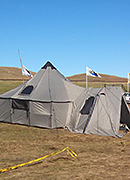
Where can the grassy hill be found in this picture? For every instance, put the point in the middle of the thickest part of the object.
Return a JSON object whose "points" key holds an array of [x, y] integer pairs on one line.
{"points": [[104, 78], [11, 77], [12, 73], [96, 82]]}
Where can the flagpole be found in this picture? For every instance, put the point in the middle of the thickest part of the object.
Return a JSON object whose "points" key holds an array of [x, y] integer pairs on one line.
{"points": [[86, 79], [21, 65], [128, 83]]}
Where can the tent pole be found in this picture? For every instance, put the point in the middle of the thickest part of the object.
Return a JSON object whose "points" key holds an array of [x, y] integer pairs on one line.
{"points": [[29, 113], [10, 110], [51, 125]]}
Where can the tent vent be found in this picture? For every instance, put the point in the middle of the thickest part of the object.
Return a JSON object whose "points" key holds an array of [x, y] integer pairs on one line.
{"points": [[27, 90], [48, 64], [87, 106]]}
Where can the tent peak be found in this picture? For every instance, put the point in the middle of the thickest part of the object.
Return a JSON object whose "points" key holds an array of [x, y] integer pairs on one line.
{"points": [[48, 64]]}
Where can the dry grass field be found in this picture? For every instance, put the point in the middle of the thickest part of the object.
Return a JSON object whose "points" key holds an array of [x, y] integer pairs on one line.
{"points": [[99, 157], [104, 78]]}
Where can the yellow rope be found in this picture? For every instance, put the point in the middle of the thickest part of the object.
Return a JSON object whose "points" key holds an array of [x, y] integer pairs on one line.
{"points": [[70, 151]]}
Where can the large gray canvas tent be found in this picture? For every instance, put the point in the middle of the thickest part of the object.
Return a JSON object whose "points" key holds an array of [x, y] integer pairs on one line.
{"points": [[44, 101], [50, 100]]}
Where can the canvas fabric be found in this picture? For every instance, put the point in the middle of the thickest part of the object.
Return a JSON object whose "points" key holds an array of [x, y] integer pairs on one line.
{"points": [[49, 104], [104, 117]]}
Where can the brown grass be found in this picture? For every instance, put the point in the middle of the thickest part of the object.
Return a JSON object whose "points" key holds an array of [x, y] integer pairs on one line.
{"points": [[12, 73], [15, 73], [98, 157], [104, 78]]}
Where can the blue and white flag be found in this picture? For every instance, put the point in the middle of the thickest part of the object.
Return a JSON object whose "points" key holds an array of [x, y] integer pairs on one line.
{"points": [[90, 72], [26, 72]]}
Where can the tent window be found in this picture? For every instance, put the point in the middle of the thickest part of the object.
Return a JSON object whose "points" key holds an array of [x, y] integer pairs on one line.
{"points": [[20, 104], [87, 106], [103, 94], [27, 90]]}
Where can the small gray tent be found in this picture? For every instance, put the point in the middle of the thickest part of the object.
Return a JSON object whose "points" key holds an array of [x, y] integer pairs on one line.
{"points": [[50, 100], [101, 113]]}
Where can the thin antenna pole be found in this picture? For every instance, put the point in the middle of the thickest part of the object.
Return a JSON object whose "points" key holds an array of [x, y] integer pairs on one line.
{"points": [[21, 64]]}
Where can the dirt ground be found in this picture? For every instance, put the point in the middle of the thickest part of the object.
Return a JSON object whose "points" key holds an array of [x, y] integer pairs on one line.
{"points": [[99, 157]]}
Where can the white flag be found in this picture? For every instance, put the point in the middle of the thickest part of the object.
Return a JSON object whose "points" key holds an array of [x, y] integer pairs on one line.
{"points": [[26, 72], [90, 72]]}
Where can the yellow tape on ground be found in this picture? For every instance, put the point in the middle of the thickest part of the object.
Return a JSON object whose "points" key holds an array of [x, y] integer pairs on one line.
{"points": [[70, 151]]}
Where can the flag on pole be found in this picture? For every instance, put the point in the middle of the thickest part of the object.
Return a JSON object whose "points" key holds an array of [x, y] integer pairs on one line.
{"points": [[129, 78], [90, 72], [128, 82], [26, 72]]}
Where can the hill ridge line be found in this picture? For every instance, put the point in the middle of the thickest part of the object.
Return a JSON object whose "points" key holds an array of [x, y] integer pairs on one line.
{"points": [[15, 74]]}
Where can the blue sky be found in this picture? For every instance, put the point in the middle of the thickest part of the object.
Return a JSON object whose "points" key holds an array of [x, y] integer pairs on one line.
{"points": [[72, 34]]}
